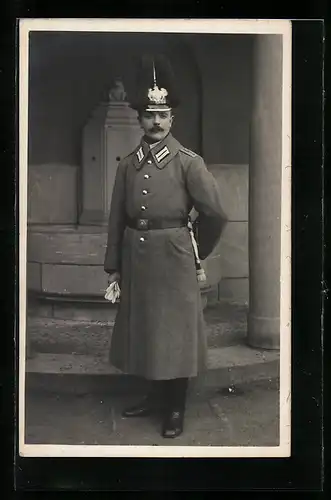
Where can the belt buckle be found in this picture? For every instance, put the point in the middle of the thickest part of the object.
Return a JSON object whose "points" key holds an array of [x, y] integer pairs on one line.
{"points": [[142, 224]]}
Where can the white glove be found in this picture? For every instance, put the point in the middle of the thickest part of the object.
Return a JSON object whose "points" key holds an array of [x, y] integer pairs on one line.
{"points": [[113, 292]]}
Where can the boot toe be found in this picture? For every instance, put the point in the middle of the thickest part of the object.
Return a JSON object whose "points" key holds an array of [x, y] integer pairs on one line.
{"points": [[173, 425], [172, 433]]}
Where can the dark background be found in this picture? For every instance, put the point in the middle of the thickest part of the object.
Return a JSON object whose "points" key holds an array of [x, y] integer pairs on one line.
{"points": [[303, 470], [70, 73]]}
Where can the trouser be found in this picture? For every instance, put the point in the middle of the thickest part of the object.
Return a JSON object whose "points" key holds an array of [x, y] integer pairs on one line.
{"points": [[171, 393]]}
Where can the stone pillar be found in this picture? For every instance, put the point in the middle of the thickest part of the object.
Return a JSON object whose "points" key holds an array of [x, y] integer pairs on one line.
{"points": [[265, 193]]}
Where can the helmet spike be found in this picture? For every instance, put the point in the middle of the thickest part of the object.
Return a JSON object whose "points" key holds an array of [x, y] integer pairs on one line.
{"points": [[154, 73]]}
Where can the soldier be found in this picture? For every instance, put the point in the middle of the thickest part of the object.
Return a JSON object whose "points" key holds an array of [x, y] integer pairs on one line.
{"points": [[159, 328]]}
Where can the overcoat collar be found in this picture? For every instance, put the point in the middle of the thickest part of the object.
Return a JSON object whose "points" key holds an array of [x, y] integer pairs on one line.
{"points": [[161, 154]]}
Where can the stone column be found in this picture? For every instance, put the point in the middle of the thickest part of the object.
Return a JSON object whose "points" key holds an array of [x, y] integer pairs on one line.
{"points": [[265, 193]]}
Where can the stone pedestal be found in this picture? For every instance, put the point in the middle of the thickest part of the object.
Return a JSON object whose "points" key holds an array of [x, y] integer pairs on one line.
{"points": [[111, 133], [265, 193]]}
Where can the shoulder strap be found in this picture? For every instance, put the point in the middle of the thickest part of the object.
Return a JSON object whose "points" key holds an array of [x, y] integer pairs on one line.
{"points": [[188, 152]]}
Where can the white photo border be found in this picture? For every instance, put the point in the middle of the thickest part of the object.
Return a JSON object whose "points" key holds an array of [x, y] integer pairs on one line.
{"points": [[221, 26]]}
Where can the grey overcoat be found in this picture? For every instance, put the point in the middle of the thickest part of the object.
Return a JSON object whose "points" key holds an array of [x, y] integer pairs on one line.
{"points": [[159, 328]]}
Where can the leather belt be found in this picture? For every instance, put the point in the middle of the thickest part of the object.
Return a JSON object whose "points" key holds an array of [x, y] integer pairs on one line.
{"points": [[147, 224]]}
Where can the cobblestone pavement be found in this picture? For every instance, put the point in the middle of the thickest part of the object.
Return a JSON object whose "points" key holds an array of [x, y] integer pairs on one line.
{"points": [[246, 416]]}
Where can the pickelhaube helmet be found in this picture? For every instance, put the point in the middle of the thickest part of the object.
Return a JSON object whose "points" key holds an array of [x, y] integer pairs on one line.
{"points": [[155, 88]]}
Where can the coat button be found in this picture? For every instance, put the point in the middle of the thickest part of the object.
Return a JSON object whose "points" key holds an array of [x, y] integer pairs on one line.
{"points": [[145, 191], [143, 207], [149, 162], [142, 239], [146, 176]]}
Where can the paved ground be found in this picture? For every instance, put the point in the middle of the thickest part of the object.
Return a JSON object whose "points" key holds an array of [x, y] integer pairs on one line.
{"points": [[242, 416]]}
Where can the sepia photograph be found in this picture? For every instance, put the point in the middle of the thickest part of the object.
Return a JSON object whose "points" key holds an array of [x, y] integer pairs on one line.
{"points": [[154, 238]]}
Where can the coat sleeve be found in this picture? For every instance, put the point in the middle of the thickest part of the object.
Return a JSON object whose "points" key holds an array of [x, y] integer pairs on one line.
{"points": [[116, 223], [205, 195]]}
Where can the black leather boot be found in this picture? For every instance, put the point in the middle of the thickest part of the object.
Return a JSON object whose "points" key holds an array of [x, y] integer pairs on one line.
{"points": [[151, 404], [173, 423]]}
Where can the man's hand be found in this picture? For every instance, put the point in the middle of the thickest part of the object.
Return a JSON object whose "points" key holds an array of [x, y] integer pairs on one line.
{"points": [[113, 277]]}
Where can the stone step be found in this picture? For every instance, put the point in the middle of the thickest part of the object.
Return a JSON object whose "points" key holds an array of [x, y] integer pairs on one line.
{"points": [[226, 325], [71, 347], [227, 366]]}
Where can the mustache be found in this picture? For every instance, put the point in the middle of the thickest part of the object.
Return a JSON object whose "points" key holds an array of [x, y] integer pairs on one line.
{"points": [[156, 129]]}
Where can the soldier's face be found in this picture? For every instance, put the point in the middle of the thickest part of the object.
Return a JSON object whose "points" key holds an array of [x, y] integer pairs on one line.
{"points": [[156, 124]]}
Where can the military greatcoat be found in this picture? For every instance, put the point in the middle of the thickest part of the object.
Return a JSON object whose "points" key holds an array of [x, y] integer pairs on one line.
{"points": [[159, 328]]}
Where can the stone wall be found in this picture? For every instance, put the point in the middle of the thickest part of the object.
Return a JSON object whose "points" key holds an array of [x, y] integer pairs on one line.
{"points": [[52, 193], [68, 259], [233, 247]]}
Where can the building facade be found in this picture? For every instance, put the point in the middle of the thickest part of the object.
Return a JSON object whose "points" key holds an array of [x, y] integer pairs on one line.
{"points": [[224, 114]]}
